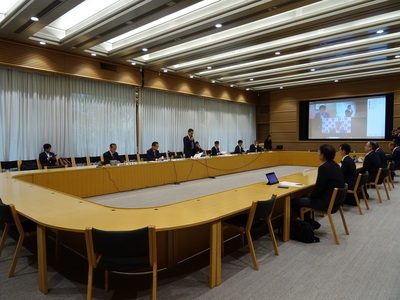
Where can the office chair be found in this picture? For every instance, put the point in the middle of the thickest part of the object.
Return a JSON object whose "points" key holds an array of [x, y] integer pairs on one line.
{"points": [[121, 251], [337, 199], [9, 215], [8, 165], [362, 180], [31, 164], [259, 213]]}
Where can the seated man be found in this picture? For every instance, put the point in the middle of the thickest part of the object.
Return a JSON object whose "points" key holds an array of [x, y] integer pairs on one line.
{"points": [[329, 177], [239, 149], [215, 149], [348, 168], [153, 154], [254, 147], [371, 161], [394, 157], [47, 158], [112, 154], [381, 154], [197, 148]]}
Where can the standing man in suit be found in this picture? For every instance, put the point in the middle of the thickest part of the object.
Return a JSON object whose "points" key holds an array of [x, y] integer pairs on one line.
{"points": [[381, 154], [371, 162], [215, 149], [111, 154], [394, 157], [268, 143], [153, 154], [188, 144], [239, 149], [254, 147], [47, 158], [329, 177], [348, 168]]}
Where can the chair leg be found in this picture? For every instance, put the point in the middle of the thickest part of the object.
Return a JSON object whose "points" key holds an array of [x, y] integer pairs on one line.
{"points": [[365, 197], [252, 251], [386, 189], [388, 182], [333, 229], [16, 255], [346, 229], [154, 291], [358, 202], [106, 277], [4, 237], [379, 194], [272, 234], [90, 283]]}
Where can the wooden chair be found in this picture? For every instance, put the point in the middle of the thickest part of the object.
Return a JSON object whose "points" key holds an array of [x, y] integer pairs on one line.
{"points": [[337, 199], [94, 160], [179, 154], [260, 212], [381, 178], [121, 251], [9, 215], [80, 161], [131, 157], [390, 165], [8, 165], [29, 164], [362, 180], [142, 157]]}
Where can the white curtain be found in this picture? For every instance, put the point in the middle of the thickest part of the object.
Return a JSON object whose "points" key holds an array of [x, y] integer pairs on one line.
{"points": [[166, 117], [78, 117]]}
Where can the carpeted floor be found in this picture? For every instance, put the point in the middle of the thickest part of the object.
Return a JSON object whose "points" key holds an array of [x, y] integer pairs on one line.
{"points": [[366, 265]]}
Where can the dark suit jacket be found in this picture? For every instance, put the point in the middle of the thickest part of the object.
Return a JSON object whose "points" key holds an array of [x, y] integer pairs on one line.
{"points": [[330, 176], [382, 157], [238, 150], [46, 162], [268, 144], [253, 148], [214, 150], [188, 147], [395, 157], [349, 171], [107, 156], [371, 164], [153, 155]]}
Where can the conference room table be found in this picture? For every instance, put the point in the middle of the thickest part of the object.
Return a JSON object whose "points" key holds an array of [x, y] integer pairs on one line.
{"points": [[52, 198]]}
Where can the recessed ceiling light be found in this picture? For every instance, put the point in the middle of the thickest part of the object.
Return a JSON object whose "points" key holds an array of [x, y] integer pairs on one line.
{"points": [[336, 80], [165, 70], [213, 81], [251, 79], [42, 43], [277, 53], [380, 31], [247, 89], [218, 25], [209, 67], [232, 85], [93, 54], [312, 70], [133, 63], [145, 49], [191, 76], [281, 87], [34, 19], [397, 56]]}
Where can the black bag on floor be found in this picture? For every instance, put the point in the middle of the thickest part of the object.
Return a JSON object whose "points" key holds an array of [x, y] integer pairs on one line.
{"points": [[302, 231]]}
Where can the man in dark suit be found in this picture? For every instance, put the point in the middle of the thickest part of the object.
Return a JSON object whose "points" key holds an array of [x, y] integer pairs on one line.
{"points": [[394, 157], [153, 153], [239, 149], [348, 168], [215, 149], [329, 177], [254, 147], [396, 136], [111, 154], [381, 154], [47, 158], [188, 144], [268, 143], [371, 162]]}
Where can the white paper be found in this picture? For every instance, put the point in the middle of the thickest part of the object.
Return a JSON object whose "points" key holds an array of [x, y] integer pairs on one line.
{"points": [[288, 183]]}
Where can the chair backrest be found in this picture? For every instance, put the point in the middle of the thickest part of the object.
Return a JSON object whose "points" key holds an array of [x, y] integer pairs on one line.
{"points": [[337, 199], [8, 214], [94, 159], [121, 250], [9, 165], [131, 157], [143, 157], [79, 161], [362, 179], [261, 210], [179, 154], [382, 174], [390, 164], [31, 164]]}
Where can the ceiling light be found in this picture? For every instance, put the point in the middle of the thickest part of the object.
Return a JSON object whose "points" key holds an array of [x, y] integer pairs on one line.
{"points": [[191, 76], [218, 25], [380, 31], [145, 49], [165, 70], [42, 43], [277, 53], [247, 89], [232, 85], [213, 81], [34, 19], [312, 70], [133, 63], [281, 87], [397, 56], [251, 79], [336, 80], [209, 67], [93, 54]]}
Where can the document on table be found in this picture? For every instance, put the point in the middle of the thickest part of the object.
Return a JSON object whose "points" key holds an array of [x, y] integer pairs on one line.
{"points": [[288, 183]]}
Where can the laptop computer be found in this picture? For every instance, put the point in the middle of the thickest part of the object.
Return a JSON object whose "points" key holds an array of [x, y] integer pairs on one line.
{"points": [[272, 179]]}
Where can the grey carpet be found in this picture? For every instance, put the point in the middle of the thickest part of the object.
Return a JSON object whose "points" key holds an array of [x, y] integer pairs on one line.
{"points": [[366, 265]]}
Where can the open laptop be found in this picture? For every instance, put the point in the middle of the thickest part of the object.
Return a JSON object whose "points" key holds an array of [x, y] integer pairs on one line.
{"points": [[272, 179]]}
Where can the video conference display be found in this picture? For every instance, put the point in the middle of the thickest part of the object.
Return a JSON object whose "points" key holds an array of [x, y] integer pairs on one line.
{"points": [[351, 118]]}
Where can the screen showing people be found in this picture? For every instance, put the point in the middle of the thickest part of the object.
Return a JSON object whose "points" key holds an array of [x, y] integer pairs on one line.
{"points": [[353, 118]]}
